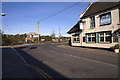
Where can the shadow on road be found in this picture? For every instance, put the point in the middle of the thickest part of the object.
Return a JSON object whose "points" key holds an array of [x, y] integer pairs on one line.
{"points": [[36, 63], [33, 47]]}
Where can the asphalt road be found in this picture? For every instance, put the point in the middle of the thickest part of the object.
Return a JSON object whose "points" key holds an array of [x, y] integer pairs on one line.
{"points": [[50, 61]]}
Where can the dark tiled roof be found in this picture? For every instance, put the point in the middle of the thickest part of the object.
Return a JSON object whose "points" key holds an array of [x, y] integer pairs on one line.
{"points": [[98, 7], [75, 28]]}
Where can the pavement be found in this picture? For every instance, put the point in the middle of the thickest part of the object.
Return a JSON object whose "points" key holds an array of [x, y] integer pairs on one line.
{"points": [[58, 61]]}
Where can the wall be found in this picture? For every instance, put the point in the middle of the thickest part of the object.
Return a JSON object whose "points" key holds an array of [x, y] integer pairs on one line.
{"points": [[112, 27]]}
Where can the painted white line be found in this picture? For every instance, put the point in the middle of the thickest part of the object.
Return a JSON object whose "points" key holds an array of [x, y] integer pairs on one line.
{"points": [[19, 55], [87, 59], [52, 51], [91, 60]]}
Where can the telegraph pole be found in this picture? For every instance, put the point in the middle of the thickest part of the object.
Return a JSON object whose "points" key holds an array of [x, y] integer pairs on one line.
{"points": [[59, 33], [2, 14], [38, 31]]}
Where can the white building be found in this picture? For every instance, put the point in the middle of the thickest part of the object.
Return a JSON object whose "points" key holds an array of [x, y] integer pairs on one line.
{"points": [[32, 35], [97, 26]]}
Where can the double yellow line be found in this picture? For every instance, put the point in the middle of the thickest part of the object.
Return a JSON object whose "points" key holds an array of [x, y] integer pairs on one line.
{"points": [[45, 75]]}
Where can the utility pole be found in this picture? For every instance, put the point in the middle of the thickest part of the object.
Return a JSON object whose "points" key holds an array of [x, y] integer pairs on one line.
{"points": [[38, 31], [2, 14], [59, 34]]}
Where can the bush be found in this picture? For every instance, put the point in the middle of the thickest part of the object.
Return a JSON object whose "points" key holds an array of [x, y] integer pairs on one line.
{"points": [[117, 46]]}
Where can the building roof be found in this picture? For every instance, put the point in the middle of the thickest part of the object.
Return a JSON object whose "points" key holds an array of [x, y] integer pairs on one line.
{"points": [[98, 7], [93, 9], [75, 28], [32, 33], [30, 38]]}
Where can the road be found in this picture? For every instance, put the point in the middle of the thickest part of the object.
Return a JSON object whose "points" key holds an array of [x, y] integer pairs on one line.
{"points": [[51, 61]]}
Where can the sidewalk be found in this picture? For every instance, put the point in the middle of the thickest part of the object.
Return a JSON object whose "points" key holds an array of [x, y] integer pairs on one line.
{"points": [[19, 45]]}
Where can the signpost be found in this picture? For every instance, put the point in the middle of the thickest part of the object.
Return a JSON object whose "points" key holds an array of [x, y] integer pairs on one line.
{"points": [[2, 14], [38, 31]]}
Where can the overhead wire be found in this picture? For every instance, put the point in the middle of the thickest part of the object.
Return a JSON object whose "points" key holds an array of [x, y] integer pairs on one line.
{"points": [[59, 12]]}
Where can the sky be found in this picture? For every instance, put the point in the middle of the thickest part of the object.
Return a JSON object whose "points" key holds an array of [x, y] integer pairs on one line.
{"points": [[23, 17]]}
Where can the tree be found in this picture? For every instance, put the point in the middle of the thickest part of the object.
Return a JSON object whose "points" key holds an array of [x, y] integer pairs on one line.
{"points": [[53, 34], [5, 40], [0, 31], [47, 38]]}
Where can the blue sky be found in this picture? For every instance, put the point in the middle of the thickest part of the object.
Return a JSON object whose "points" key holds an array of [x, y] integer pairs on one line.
{"points": [[22, 17]]}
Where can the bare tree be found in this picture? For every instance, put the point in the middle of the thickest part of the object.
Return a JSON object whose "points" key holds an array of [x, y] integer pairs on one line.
{"points": [[53, 34]]}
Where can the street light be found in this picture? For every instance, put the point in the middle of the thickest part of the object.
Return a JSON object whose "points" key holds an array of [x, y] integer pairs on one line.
{"points": [[3, 14]]}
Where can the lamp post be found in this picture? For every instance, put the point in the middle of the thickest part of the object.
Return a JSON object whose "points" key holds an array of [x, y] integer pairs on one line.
{"points": [[38, 31], [3, 14]]}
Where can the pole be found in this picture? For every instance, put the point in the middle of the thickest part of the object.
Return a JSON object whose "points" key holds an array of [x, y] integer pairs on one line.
{"points": [[38, 31], [3, 14], [2, 24], [59, 34]]}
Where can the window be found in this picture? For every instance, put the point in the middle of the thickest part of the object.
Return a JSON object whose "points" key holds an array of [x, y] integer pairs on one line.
{"points": [[108, 36], [101, 37], [105, 19], [91, 37], [105, 37], [76, 39], [92, 22]]}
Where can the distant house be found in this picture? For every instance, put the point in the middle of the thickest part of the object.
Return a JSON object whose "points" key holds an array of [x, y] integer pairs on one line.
{"points": [[98, 26], [31, 36]]}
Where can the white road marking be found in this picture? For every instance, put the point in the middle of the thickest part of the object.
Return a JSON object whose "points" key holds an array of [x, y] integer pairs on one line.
{"points": [[52, 51], [19, 55], [91, 60], [86, 59]]}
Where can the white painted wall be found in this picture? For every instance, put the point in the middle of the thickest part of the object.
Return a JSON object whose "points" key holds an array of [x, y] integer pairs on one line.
{"points": [[112, 27]]}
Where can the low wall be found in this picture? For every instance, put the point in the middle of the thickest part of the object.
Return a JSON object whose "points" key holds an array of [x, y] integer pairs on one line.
{"points": [[99, 45], [76, 44]]}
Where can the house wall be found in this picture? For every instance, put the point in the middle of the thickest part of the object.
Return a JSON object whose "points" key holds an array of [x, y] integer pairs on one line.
{"points": [[35, 36], [111, 27]]}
